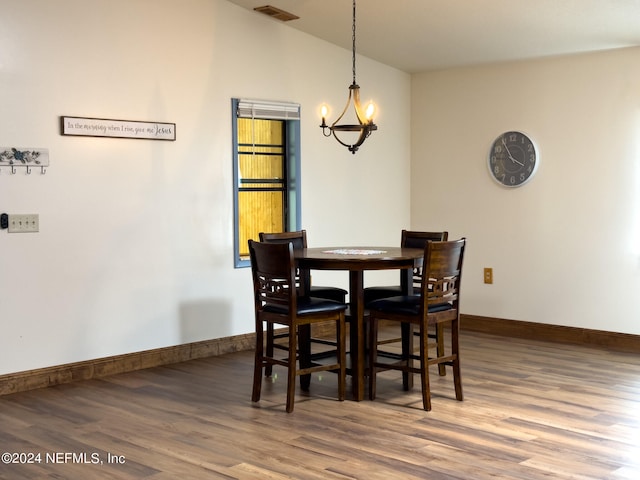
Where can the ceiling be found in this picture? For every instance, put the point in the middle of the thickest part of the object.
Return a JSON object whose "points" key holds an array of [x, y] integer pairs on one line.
{"points": [[423, 35]]}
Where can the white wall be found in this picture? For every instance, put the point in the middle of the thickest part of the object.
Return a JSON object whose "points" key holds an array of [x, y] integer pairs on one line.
{"points": [[135, 244], [565, 248]]}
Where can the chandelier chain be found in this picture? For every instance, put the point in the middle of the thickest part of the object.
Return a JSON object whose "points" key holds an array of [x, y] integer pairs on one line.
{"points": [[353, 40]]}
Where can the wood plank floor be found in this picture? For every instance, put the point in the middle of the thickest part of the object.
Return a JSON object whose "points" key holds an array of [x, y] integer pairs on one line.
{"points": [[532, 410]]}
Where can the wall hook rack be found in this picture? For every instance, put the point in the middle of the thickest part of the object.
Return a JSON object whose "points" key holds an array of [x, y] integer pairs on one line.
{"points": [[24, 157]]}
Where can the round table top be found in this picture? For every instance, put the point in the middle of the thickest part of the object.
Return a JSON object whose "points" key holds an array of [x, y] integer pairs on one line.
{"points": [[358, 258]]}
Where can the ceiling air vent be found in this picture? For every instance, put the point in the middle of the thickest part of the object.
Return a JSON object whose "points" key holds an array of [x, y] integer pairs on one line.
{"points": [[276, 13]]}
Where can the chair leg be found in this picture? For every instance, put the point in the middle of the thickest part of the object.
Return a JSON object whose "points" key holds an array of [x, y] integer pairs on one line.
{"points": [[407, 350], [342, 357], [440, 348], [304, 354], [455, 349], [373, 355], [291, 369], [268, 370], [424, 368], [258, 363]]}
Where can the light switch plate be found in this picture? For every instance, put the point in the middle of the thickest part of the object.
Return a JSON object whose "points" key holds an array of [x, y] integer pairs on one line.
{"points": [[24, 223]]}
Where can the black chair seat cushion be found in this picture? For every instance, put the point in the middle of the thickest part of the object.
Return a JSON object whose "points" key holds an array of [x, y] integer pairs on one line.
{"points": [[372, 294], [332, 293], [309, 305], [405, 305]]}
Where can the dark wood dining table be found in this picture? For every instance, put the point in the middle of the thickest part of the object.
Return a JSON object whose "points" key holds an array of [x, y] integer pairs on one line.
{"points": [[357, 260]]}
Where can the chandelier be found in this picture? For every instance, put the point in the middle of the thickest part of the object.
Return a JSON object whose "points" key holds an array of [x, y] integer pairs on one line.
{"points": [[364, 126]]}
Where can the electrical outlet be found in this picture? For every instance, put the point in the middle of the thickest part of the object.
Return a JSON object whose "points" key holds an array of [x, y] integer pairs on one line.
{"points": [[24, 223], [488, 275]]}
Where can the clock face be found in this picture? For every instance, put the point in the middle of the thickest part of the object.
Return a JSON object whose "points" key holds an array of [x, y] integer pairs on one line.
{"points": [[513, 159]]}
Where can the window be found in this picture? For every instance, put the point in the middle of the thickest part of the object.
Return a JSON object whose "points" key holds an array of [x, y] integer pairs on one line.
{"points": [[266, 171]]}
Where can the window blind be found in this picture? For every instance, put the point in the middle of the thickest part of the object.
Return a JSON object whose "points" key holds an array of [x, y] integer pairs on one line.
{"points": [[268, 110]]}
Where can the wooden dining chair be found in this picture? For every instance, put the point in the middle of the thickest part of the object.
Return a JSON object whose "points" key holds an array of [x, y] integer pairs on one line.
{"points": [[276, 340], [276, 302], [437, 304], [411, 239]]}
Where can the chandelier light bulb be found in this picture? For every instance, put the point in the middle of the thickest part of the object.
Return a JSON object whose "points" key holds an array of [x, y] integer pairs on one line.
{"points": [[371, 109]]}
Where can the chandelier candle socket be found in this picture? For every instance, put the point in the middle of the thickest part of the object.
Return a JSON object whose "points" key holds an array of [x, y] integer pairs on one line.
{"points": [[364, 118]]}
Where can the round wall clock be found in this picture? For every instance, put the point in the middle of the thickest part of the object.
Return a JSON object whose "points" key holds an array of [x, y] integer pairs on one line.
{"points": [[513, 159]]}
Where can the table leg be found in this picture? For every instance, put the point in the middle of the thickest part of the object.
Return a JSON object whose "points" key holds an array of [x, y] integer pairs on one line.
{"points": [[356, 338]]}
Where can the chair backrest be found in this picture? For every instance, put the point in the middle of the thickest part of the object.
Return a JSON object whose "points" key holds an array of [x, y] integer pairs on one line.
{"points": [[442, 273], [416, 239], [274, 277], [299, 238], [299, 241]]}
